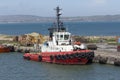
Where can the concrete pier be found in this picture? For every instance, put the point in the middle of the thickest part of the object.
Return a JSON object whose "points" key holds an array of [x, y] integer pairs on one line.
{"points": [[107, 54], [24, 49]]}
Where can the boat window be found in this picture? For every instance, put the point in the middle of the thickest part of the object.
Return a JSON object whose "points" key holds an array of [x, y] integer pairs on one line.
{"points": [[46, 44], [61, 37], [66, 37]]}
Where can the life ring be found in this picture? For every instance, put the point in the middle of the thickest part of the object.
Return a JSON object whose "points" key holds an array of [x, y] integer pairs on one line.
{"points": [[39, 58]]}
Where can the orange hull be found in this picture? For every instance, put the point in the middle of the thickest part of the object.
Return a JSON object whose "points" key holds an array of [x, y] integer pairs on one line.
{"points": [[73, 57]]}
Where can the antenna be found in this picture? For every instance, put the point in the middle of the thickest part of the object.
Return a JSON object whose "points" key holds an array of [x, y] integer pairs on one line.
{"points": [[58, 18]]}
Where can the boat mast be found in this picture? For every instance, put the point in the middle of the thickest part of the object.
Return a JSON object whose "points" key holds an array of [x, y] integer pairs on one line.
{"points": [[58, 25], [58, 18]]}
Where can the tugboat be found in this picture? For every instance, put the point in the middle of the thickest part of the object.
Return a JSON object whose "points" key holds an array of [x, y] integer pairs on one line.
{"points": [[60, 48]]}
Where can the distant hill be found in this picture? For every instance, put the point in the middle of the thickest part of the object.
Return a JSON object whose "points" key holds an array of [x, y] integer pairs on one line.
{"points": [[31, 18], [23, 19]]}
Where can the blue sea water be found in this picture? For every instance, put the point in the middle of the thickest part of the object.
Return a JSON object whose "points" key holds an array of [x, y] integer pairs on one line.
{"points": [[14, 67], [76, 28]]}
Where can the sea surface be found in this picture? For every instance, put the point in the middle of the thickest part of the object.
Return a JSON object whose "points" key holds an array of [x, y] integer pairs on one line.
{"points": [[14, 67], [76, 28]]}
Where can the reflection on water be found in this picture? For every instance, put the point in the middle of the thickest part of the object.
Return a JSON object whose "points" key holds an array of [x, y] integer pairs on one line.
{"points": [[14, 67]]}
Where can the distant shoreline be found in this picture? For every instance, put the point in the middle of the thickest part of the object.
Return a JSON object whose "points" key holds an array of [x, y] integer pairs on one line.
{"points": [[64, 22], [38, 19]]}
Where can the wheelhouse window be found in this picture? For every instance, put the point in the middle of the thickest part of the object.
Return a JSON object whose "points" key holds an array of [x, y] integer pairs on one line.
{"points": [[66, 37], [61, 37]]}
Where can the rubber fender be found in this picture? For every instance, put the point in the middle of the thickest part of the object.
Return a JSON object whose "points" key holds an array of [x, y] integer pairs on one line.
{"points": [[51, 57], [79, 55], [71, 56], [57, 57], [67, 56], [92, 53], [76, 55], [28, 58], [63, 57], [83, 55], [117, 62], [39, 58], [89, 55], [24, 57]]}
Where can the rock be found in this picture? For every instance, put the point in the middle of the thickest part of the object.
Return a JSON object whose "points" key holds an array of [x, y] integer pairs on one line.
{"points": [[92, 47], [117, 62], [103, 60]]}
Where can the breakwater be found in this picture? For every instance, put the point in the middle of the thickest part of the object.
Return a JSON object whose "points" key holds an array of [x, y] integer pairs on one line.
{"points": [[107, 54]]}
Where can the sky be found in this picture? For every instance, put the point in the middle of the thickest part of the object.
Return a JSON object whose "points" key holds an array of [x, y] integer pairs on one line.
{"points": [[70, 8]]}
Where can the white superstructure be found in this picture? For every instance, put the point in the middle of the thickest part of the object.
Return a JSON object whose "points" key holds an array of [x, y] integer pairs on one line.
{"points": [[60, 39]]}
